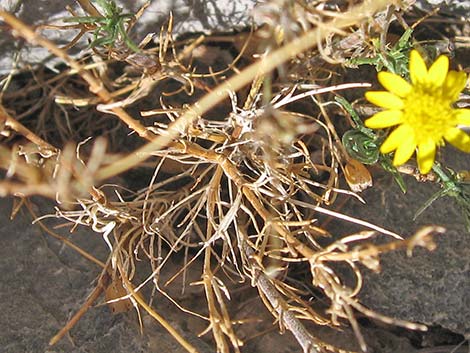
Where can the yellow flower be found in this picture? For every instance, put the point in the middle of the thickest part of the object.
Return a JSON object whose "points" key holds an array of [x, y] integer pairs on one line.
{"points": [[423, 111]]}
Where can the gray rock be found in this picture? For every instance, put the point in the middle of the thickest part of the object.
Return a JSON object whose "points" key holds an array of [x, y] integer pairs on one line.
{"points": [[429, 287], [43, 283], [455, 7], [189, 17]]}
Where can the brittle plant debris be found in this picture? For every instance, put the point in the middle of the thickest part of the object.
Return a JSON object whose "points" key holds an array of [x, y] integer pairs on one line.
{"points": [[242, 161]]}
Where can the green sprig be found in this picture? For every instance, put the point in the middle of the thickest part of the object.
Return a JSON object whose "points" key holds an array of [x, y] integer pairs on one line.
{"points": [[452, 186], [111, 26], [363, 144]]}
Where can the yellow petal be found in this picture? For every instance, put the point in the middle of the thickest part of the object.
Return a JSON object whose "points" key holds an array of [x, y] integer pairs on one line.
{"points": [[463, 116], [426, 155], [385, 100], [405, 150], [395, 138], [394, 83], [438, 71], [458, 138], [384, 119], [454, 84], [418, 70]]}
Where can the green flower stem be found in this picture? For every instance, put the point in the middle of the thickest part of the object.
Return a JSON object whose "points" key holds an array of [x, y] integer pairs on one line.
{"points": [[452, 187]]}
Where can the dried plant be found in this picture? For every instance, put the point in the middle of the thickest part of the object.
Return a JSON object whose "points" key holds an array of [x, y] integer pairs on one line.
{"points": [[239, 195]]}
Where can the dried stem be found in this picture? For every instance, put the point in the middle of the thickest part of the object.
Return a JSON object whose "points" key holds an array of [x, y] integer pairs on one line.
{"points": [[94, 295], [260, 68], [306, 341], [95, 85], [45, 148]]}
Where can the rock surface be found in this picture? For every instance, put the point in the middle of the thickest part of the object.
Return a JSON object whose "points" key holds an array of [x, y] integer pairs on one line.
{"points": [[43, 283], [455, 7], [429, 287], [189, 17]]}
